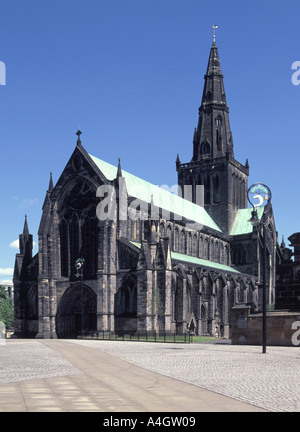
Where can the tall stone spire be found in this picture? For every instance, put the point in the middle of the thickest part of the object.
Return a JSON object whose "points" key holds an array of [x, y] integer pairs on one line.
{"points": [[213, 164], [213, 137]]}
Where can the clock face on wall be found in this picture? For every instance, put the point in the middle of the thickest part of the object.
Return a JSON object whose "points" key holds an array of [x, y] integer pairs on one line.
{"points": [[259, 195]]}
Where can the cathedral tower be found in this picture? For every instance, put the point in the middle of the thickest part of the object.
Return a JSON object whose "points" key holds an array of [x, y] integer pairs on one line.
{"points": [[213, 164]]}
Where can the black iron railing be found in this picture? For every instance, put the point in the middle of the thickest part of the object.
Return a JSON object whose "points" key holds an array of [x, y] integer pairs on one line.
{"points": [[143, 336]]}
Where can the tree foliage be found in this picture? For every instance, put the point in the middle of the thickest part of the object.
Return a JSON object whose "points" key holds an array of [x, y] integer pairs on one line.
{"points": [[6, 308]]}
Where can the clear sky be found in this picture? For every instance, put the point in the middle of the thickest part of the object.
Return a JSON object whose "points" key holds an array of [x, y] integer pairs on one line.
{"points": [[129, 75]]}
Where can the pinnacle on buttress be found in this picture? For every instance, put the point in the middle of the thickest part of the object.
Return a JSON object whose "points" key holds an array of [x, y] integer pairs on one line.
{"points": [[119, 172], [25, 229], [50, 188]]}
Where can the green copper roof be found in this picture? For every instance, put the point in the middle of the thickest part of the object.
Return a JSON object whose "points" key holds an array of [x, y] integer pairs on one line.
{"points": [[241, 224], [202, 262], [162, 198], [198, 261]]}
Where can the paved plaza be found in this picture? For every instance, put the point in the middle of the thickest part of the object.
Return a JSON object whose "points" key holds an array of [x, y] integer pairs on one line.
{"points": [[117, 376]]}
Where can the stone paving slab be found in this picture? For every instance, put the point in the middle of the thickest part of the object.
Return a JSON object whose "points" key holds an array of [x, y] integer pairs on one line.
{"points": [[270, 381], [86, 379], [21, 361]]}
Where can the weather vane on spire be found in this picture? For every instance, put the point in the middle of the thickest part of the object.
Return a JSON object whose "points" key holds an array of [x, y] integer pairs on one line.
{"points": [[214, 30]]}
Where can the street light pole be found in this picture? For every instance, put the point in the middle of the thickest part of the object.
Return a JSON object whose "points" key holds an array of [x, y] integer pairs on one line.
{"points": [[264, 341], [263, 194], [79, 266], [82, 309]]}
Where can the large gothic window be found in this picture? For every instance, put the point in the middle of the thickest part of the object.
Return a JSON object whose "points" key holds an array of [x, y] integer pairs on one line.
{"points": [[78, 229]]}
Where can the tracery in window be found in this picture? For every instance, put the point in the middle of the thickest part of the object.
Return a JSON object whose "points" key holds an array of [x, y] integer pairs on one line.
{"points": [[78, 229]]}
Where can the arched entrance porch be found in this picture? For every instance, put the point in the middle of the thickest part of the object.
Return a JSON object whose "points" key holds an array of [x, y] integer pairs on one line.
{"points": [[69, 312]]}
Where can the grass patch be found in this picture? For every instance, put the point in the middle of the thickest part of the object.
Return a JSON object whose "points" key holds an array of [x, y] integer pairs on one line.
{"points": [[199, 339]]}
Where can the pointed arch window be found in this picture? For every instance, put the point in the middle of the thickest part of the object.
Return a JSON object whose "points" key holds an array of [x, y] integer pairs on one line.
{"points": [[176, 240], [207, 190], [205, 149], [219, 121], [208, 95], [216, 188], [189, 300], [126, 301], [64, 250]]}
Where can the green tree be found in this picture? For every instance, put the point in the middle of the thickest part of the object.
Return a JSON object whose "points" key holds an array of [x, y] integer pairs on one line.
{"points": [[6, 308]]}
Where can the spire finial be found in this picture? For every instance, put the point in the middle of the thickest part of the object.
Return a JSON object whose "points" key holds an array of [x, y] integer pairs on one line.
{"points": [[119, 172], [78, 133], [50, 188], [25, 229], [214, 30]]}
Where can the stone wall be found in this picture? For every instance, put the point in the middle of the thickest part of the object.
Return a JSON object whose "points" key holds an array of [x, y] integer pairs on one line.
{"points": [[282, 327]]}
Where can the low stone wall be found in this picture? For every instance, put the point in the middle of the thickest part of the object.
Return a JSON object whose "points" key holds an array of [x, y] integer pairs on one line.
{"points": [[283, 327]]}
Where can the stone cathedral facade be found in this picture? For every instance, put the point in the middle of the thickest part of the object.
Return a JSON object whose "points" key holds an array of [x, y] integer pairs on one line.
{"points": [[153, 259]]}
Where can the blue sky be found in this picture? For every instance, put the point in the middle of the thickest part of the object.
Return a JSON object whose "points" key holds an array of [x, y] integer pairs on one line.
{"points": [[129, 75]]}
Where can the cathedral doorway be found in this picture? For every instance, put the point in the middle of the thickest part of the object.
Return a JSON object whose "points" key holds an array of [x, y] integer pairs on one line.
{"points": [[69, 312]]}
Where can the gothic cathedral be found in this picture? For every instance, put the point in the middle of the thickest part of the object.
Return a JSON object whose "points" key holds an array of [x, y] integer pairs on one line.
{"points": [[151, 258]]}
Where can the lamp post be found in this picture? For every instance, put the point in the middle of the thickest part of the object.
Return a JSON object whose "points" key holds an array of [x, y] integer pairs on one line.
{"points": [[262, 193], [79, 267]]}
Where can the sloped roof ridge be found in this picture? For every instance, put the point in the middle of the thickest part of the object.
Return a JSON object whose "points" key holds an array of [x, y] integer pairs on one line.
{"points": [[241, 224], [165, 199], [198, 261]]}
